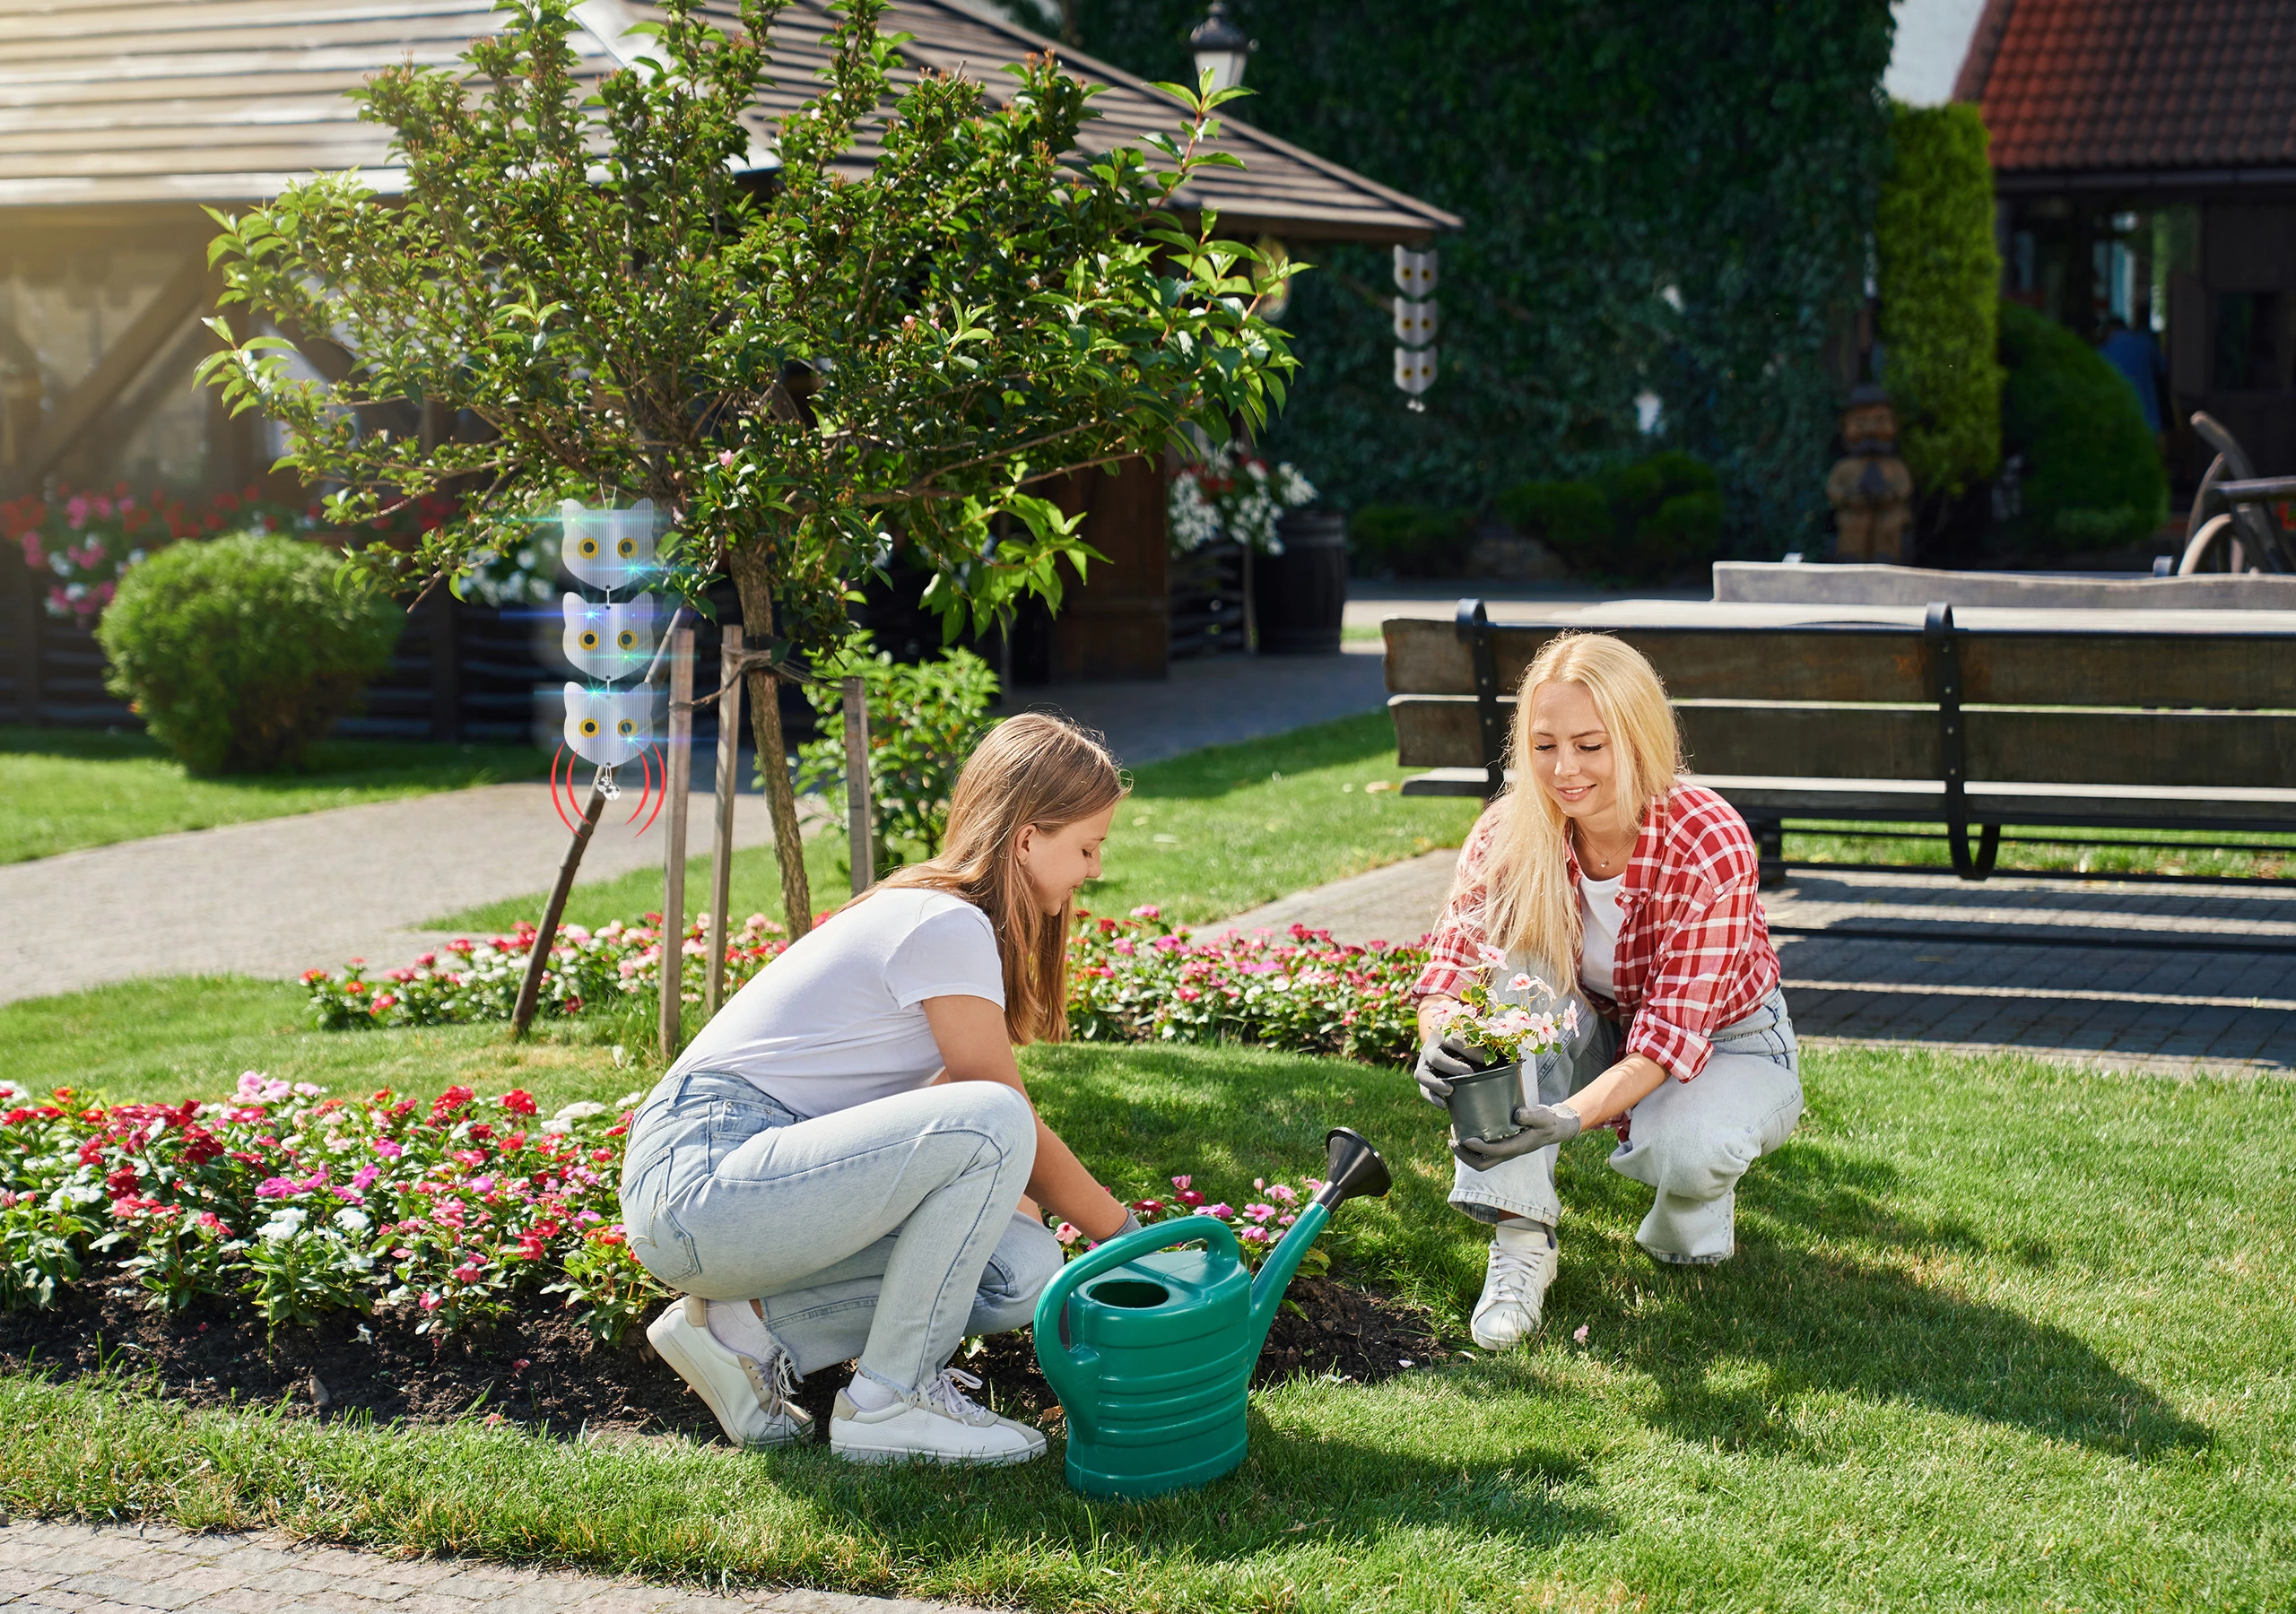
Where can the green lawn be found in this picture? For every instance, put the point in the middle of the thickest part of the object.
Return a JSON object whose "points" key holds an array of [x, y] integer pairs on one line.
{"points": [[67, 788], [1204, 836], [2000, 1335]]}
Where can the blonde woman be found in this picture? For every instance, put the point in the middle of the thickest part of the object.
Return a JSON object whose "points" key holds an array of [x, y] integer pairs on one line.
{"points": [[1600, 870], [835, 1168]]}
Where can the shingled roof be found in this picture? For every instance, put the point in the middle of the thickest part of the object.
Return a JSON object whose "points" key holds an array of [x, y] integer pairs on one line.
{"points": [[2158, 90], [134, 101]]}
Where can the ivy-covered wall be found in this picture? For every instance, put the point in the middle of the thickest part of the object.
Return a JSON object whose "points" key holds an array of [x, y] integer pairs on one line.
{"points": [[1940, 277], [1662, 197]]}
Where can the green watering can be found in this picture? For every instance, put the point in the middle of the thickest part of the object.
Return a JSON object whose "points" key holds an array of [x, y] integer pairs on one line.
{"points": [[1151, 1351]]}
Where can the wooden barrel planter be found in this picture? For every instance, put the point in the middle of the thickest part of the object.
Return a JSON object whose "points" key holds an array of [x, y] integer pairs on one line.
{"points": [[1300, 596]]}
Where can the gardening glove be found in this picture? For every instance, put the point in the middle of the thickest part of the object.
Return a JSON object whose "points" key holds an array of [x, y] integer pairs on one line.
{"points": [[1441, 1059], [1542, 1124]]}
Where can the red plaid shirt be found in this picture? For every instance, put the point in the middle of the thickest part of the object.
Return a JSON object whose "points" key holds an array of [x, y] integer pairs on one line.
{"points": [[1693, 947]]}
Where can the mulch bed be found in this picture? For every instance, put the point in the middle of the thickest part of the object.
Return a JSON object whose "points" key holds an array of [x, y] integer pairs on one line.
{"points": [[539, 1367]]}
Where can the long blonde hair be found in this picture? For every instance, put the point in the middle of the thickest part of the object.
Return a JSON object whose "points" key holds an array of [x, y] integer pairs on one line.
{"points": [[1530, 904], [1038, 770]]}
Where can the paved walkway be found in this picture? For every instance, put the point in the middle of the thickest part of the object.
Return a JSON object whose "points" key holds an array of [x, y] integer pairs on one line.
{"points": [[285, 895], [2149, 977], [274, 899], [115, 1569]]}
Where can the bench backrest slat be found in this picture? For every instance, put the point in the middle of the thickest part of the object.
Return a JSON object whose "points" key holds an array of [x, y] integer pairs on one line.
{"points": [[2051, 747], [1858, 663]]}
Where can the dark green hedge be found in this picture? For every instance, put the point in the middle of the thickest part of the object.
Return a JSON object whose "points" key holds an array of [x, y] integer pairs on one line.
{"points": [[1644, 522], [1600, 154], [2092, 477], [1940, 285]]}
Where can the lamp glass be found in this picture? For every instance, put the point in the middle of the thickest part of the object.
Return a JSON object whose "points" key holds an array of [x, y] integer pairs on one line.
{"points": [[1225, 65]]}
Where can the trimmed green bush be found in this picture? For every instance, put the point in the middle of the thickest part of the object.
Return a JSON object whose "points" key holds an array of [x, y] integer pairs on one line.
{"points": [[1572, 518], [1643, 522], [1410, 541], [2093, 474], [1940, 278], [238, 653]]}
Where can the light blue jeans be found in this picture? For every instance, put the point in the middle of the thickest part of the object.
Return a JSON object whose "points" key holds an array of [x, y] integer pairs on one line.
{"points": [[1690, 1142], [888, 1232]]}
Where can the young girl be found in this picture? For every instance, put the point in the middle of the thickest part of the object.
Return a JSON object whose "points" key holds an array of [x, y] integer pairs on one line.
{"points": [[835, 1168], [1600, 870]]}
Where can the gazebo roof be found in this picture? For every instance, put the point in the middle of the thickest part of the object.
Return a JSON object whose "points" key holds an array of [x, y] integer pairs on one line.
{"points": [[142, 101]]}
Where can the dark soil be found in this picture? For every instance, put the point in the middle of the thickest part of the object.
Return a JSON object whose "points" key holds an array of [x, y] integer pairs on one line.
{"points": [[541, 1368]]}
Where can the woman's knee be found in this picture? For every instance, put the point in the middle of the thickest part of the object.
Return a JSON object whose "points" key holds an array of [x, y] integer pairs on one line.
{"points": [[1006, 1115]]}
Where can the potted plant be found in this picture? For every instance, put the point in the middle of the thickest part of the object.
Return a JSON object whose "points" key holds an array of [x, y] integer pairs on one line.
{"points": [[1507, 1030], [1234, 500]]}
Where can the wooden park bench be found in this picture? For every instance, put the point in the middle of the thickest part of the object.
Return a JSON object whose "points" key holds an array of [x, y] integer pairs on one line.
{"points": [[2065, 719]]}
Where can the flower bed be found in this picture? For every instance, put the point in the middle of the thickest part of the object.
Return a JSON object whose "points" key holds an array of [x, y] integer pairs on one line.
{"points": [[1143, 980], [299, 1205], [478, 980], [1139, 979]]}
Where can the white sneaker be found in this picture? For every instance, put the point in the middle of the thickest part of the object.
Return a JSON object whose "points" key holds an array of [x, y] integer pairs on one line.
{"points": [[1514, 1294], [752, 1398], [938, 1423]]}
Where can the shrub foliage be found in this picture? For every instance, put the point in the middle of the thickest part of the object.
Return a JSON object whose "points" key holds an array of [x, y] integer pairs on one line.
{"points": [[1940, 285], [923, 721], [1643, 522], [2092, 477], [1599, 155], [1410, 539], [239, 653]]}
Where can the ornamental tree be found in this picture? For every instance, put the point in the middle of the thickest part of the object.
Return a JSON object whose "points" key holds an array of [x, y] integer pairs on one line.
{"points": [[803, 368]]}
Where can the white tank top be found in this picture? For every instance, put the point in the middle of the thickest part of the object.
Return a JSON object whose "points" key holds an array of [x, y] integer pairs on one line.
{"points": [[1598, 922]]}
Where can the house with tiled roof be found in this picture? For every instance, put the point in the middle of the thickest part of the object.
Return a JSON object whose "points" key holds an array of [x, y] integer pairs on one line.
{"points": [[2145, 160]]}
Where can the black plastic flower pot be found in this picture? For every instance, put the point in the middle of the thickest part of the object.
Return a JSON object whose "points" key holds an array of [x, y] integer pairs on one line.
{"points": [[1482, 1105]]}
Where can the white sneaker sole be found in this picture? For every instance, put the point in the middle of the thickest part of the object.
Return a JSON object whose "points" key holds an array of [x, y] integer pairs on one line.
{"points": [[869, 1454], [670, 1346]]}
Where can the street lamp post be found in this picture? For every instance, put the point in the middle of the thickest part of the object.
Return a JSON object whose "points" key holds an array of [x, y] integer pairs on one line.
{"points": [[1220, 48]]}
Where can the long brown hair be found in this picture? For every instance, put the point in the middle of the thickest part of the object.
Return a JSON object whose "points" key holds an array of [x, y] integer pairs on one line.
{"points": [[1533, 907], [1038, 770]]}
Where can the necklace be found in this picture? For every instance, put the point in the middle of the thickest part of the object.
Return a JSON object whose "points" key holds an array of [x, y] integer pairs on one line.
{"points": [[1599, 864]]}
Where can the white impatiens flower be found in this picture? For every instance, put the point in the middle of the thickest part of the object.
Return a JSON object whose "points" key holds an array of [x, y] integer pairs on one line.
{"points": [[352, 1219], [286, 1223], [581, 1110]]}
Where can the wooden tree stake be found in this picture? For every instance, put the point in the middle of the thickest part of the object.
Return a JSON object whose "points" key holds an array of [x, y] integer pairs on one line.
{"points": [[538, 960], [856, 786], [721, 845], [678, 783]]}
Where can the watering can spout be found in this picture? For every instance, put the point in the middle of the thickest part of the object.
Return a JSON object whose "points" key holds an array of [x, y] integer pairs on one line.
{"points": [[1354, 1171]]}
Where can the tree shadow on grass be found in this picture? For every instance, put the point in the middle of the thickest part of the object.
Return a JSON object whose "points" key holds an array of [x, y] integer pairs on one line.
{"points": [[1731, 1347]]}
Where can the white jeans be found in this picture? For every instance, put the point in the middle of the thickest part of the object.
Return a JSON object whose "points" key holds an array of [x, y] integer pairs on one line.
{"points": [[887, 1231], [1690, 1142]]}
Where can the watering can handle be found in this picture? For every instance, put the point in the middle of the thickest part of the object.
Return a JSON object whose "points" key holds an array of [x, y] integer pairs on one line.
{"points": [[1052, 1306]]}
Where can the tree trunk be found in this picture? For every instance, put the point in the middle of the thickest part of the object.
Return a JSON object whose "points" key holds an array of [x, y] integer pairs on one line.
{"points": [[746, 564]]}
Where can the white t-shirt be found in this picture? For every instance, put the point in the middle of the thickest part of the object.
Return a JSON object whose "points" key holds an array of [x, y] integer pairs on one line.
{"points": [[836, 1021], [1598, 931]]}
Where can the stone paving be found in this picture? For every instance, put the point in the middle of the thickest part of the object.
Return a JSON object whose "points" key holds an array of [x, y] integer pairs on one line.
{"points": [[2126, 977], [65, 1568], [276, 898]]}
